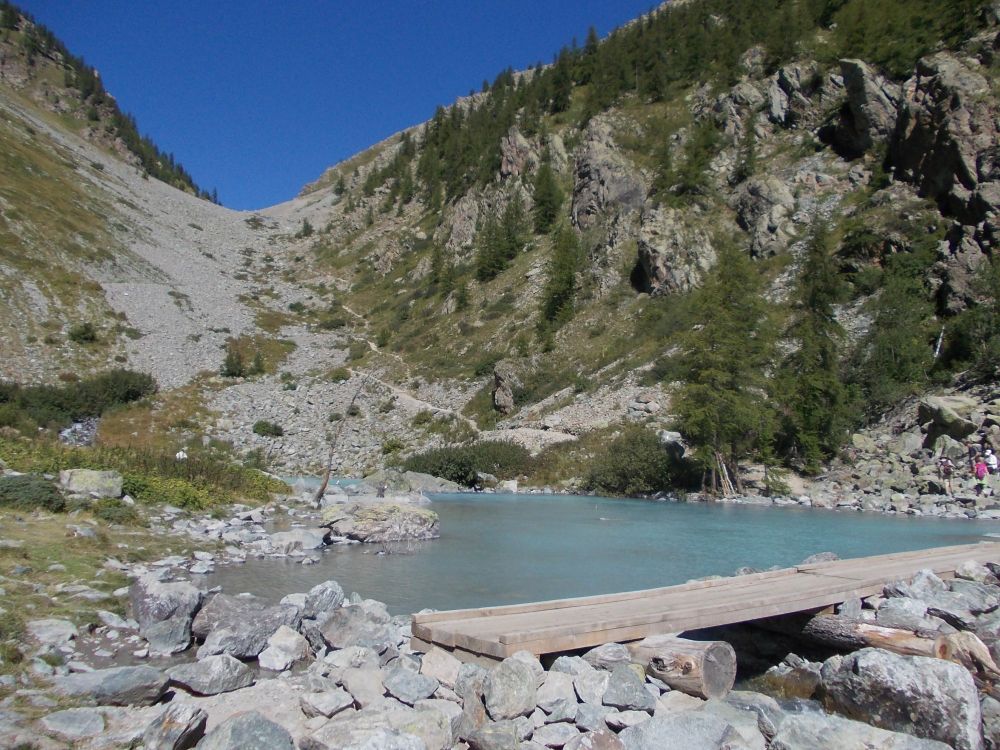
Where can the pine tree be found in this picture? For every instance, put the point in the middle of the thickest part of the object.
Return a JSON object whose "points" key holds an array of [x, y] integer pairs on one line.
{"points": [[815, 397], [548, 197], [560, 284], [722, 408]]}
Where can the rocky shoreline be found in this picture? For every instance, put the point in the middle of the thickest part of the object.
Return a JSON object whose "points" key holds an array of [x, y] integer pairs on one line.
{"points": [[324, 669]]}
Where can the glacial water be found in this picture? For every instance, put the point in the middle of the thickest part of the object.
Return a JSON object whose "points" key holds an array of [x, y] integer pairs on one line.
{"points": [[504, 549]]}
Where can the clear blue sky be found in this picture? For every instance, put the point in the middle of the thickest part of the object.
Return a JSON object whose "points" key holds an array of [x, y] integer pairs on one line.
{"points": [[257, 97]]}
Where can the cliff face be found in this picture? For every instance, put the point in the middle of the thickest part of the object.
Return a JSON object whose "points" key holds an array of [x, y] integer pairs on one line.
{"points": [[373, 269]]}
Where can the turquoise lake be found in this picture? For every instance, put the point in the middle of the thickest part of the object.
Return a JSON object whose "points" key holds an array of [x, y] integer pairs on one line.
{"points": [[505, 549]]}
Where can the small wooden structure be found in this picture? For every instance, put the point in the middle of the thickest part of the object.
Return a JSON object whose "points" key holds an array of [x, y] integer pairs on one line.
{"points": [[494, 633]]}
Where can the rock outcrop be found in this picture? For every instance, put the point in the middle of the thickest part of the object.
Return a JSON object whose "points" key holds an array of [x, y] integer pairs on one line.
{"points": [[673, 255], [382, 522], [603, 180]]}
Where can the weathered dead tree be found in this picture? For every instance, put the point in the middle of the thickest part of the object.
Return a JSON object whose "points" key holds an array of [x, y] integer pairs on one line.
{"points": [[318, 497], [706, 669]]}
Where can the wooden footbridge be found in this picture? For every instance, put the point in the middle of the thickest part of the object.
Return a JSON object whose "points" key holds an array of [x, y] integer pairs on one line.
{"points": [[493, 633]]}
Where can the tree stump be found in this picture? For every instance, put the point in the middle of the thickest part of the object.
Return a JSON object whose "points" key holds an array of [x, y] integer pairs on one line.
{"points": [[706, 669]]}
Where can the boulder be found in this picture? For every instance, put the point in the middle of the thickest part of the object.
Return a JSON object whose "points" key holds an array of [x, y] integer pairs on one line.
{"points": [[816, 731], [929, 698], [555, 735], [240, 625], [298, 540], [75, 724], [326, 703], [364, 685], [52, 632], [469, 689], [689, 730], [602, 178], [441, 665], [212, 675], [382, 522], [498, 735], [178, 728], [118, 686], [608, 656], [673, 255], [90, 482], [247, 731], [510, 690], [383, 726], [626, 691], [591, 686], [409, 687], [323, 597], [284, 648], [165, 612], [948, 415], [600, 739], [557, 688], [353, 625]]}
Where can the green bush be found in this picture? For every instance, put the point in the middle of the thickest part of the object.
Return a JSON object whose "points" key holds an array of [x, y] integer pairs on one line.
{"points": [[462, 463], [58, 405], [634, 463], [111, 510], [167, 490], [340, 375], [82, 333], [29, 492], [357, 350], [268, 429]]}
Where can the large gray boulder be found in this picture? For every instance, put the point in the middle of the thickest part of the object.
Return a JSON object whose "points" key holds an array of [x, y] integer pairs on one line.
{"points": [[815, 731], [382, 522], [240, 626], [929, 698], [91, 482], [469, 688], [602, 178], [323, 597], [599, 739], [298, 540], [284, 648], [505, 381], [354, 625], [247, 731], [213, 675], [674, 255], [409, 687], [947, 415], [52, 631], [118, 686], [608, 656], [689, 730], [379, 727], [510, 690], [497, 735], [178, 728], [164, 611], [626, 691]]}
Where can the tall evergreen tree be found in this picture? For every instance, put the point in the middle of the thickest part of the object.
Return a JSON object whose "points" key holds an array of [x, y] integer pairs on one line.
{"points": [[722, 408], [815, 398], [560, 283], [548, 197]]}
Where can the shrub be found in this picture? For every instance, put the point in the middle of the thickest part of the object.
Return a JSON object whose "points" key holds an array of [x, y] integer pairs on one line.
{"points": [[392, 445], [340, 375], [48, 405], [296, 307], [462, 463], [82, 333], [233, 366], [168, 490], [111, 510], [268, 429], [353, 410], [28, 492], [634, 463], [357, 350]]}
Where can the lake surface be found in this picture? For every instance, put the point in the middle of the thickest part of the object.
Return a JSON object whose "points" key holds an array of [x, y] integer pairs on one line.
{"points": [[506, 549]]}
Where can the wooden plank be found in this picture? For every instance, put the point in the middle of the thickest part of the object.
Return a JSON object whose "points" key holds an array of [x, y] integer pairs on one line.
{"points": [[565, 624], [584, 601]]}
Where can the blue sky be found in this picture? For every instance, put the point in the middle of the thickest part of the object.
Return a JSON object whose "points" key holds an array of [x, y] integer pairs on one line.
{"points": [[257, 97]]}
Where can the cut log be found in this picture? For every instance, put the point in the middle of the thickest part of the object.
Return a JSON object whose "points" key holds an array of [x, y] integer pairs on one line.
{"points": [[850, 634], [846, 633], [706, 669]]}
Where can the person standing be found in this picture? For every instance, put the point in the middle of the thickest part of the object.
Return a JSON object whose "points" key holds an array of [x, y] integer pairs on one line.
{"points": [[946, 468], [980, 471], [991, 461], [974, 452]]}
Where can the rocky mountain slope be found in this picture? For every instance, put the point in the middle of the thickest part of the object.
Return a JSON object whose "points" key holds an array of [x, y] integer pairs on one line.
{"points": [[366, 296]]}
